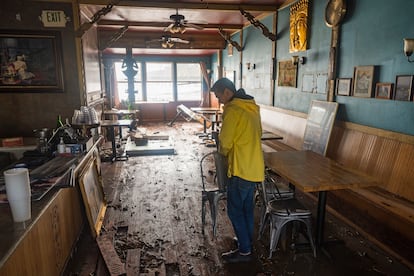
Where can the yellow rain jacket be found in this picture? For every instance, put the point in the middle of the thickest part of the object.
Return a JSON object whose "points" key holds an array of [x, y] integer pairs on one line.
{"points": [[240, 139]]}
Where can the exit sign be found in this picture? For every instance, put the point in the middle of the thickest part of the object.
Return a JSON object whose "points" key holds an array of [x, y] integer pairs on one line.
{"points": [[53, 18]]}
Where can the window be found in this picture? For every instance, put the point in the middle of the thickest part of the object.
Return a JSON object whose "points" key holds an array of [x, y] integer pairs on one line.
{"points": [[188, 82], [122, 83], [159, 81]]}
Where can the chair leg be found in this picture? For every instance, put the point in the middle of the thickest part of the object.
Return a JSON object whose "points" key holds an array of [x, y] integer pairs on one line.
{"points": [[264, 220], [203, 210], [309, 231], [214, 210], [275, 230]]}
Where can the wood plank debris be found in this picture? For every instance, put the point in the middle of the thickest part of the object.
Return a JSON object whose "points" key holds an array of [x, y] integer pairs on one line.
{"points": [[111, 258], [133, 262]]}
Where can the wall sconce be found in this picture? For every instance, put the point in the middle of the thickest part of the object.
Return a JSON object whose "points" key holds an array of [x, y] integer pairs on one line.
{"points": [[250, 66], [408, 48], [229, 50], [298, 60]]}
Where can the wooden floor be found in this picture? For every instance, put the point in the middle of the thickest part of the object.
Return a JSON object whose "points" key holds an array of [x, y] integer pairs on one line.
{"points": [[154, 222]]}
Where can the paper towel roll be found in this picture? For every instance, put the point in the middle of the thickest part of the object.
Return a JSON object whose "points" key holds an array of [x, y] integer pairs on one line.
{"points": [[18, 193]]}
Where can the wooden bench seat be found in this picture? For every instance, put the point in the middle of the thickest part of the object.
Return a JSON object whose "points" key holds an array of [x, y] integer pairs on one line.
{"points": [[385, 213], [391, 203], [276, 145]]}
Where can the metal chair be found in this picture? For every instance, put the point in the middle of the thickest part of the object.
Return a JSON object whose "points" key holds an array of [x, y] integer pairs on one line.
{"points": [[213, 196], [275, 187], [280, 212]]}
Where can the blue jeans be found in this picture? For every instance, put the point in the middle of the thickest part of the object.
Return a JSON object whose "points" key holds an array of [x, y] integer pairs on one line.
{"points": [[240, 209]]}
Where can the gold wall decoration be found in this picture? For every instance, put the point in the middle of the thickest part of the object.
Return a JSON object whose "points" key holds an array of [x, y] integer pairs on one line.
{"points": [[298, 26]]}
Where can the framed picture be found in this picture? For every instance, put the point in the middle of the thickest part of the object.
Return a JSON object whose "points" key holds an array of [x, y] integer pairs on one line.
{"points": [[308, 83], [363, 81], [321, 83], [287, 73], [343, 87], [90, 184], [30, 62], [403, 88], [383, 90]]}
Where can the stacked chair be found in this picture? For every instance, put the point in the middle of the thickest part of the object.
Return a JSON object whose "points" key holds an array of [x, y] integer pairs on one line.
{"points": [[213, 196], [279, 208]]}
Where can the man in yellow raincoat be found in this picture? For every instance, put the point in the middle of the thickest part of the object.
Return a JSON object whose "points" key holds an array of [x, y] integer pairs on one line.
{"points": [[240, 142]]}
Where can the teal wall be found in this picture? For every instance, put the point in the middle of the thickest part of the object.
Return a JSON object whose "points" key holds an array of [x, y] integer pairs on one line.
{"points": [[371, 34], [374, 36]]}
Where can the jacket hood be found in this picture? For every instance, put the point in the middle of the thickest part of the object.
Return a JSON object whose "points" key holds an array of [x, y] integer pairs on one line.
{"points": [[247, 104], [241, 94]]}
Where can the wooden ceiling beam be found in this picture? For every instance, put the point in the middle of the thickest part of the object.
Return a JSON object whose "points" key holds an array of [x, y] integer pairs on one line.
{"points": [[178, 5], [165, 24], [150, 40]]}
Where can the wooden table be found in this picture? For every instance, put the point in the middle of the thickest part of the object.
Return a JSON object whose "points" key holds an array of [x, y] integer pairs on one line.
{"points": [[112, 124], [120, 113], [312, 172], [209, 111]]}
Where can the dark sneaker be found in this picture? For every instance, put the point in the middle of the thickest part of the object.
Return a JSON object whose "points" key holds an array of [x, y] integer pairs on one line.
{"points": [[234, 256]]}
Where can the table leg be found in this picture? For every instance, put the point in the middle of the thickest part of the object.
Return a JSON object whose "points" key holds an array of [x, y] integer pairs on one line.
{"points": [[320, 219], [112, 133], [120, 127]]}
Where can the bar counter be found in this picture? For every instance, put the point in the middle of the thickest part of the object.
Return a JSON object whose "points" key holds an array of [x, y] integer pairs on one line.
{"points": [[43, 244]]}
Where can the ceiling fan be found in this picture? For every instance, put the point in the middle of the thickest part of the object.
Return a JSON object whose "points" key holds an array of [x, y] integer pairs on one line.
{"points": [[169, 42], [179, 24]]}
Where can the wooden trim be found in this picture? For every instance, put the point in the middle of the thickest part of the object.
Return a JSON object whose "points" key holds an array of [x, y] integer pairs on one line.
{"points": [[285, 111], [181, 5]]}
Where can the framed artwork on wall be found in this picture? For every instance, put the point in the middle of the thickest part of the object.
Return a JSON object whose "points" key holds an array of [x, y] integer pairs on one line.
{"points": [[383, 90], [30, 61], [403, 88], [287, 72], [343, 87], [363, 81]]}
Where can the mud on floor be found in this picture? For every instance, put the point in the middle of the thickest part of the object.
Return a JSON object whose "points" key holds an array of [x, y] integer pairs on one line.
{"points": [[154, 205]]}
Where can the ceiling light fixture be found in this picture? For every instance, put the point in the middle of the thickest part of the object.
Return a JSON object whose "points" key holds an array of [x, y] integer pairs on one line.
{"points": [[177, 28], [167, 44]]}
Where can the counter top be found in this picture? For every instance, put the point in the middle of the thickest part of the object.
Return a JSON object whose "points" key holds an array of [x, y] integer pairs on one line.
{"points": [[12, 233]]}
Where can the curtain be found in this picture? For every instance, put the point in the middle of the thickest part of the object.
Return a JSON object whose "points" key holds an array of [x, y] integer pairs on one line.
{"points": [[114, 88], [205, 91]]}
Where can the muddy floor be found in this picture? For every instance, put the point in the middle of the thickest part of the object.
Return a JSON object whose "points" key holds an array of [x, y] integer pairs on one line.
{"points": [[154, 210]]}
